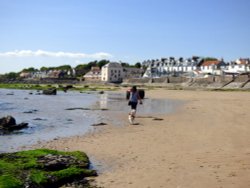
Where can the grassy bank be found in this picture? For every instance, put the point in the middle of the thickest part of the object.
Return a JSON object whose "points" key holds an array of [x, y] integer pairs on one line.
{"points": [[76, 87]]}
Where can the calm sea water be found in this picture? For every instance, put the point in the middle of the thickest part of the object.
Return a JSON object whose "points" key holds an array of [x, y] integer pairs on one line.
{"points": [[48, 118]]}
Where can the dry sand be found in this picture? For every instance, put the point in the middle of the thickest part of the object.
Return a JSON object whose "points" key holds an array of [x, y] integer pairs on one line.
{"points": [[206, 143]]}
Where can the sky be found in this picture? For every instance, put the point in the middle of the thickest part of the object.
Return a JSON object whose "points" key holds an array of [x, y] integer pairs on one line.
{"points": [[37, 33]]}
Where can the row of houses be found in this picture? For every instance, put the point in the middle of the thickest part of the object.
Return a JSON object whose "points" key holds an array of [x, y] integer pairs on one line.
{"points": [[194, 67], [47, 74], [113, 72], [191, 67]]}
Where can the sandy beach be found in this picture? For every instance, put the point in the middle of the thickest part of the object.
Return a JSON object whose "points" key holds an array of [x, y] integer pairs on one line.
{"points": [[205, 143]]}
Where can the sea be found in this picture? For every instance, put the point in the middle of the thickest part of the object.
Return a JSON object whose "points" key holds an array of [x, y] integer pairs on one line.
{"points": [[67, 114]]}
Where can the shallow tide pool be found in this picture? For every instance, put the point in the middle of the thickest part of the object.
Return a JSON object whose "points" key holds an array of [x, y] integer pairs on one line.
{"points": [[49, 118]]}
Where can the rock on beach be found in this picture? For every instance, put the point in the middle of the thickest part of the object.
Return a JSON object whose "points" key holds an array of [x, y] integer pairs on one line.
{"points": [[8, 123]]}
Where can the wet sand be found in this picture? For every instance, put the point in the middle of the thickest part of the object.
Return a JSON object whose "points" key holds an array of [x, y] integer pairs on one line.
{"points": [[206, 143]]}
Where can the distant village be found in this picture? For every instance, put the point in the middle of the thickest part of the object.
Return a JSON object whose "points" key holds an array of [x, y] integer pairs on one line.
{"points": [[195, 67], [110, 72]]}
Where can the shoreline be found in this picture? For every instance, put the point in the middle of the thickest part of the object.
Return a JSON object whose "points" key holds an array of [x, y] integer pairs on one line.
{"points": [[48, 117], [205, 143]]}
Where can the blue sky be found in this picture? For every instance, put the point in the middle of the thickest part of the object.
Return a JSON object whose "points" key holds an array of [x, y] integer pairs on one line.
{"points": [[36, 33]]}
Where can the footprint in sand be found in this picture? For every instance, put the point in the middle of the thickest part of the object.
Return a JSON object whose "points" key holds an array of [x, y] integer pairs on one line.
{"points": [[216, 166], [232, 174]]}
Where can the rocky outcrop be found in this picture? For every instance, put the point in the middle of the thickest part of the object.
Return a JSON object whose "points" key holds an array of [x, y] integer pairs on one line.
{"points": [[59, 162], [44, 168], [99, 124], [50, 91], [8, 123]]}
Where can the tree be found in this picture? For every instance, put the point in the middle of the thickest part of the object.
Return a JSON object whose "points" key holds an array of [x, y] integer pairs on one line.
{"points": [[81, 69], [31, 69], [44, 69], [210, 59], [102, 63], [64, 67], [11, 75], [138, 65], [125, 65]]}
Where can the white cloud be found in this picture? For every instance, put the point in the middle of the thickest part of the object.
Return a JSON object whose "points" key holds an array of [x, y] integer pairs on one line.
{"points": [[41, 53]]}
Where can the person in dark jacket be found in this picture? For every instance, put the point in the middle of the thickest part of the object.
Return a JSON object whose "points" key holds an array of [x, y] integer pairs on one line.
{"points": [[133, 101]]}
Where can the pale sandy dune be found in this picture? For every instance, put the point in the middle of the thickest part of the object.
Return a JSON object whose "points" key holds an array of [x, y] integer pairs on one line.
{"points": [[206, 143]]}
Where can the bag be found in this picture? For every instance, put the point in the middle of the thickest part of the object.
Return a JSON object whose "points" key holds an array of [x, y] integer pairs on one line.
{"points": [[129, 103]]}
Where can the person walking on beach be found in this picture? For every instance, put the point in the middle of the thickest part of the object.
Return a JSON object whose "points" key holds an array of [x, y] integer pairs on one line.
{"points": [[134, 97]]}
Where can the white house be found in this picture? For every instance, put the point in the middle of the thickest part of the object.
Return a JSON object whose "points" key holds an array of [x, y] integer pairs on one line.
{"points": [[212, 67], [171, 66], [25, 74], [112, 72], [237, 69], [40, 74], [194, 66]]}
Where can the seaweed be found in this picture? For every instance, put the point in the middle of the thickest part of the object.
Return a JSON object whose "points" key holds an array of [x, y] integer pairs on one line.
{"points": [[30, 168]]}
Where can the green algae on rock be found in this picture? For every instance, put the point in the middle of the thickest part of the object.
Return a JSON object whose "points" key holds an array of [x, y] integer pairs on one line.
{"points": [[43, 168]]}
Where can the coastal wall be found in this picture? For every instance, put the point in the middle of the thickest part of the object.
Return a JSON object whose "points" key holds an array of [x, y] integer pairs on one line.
{"points": [[242, 78], [210, 82], [178, 79]]}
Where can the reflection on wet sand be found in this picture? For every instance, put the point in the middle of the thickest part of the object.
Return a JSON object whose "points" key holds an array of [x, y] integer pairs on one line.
{"points": [[50, 120]]}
